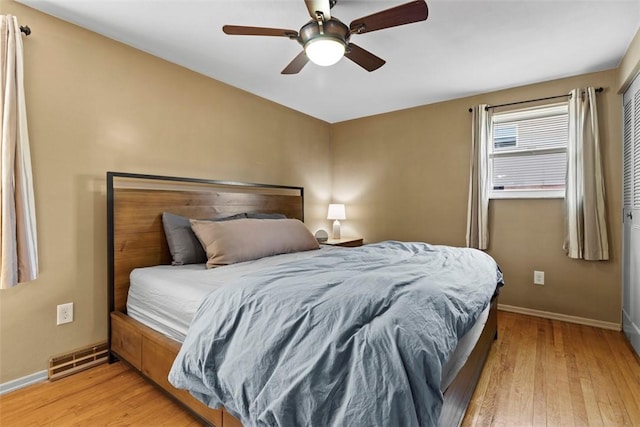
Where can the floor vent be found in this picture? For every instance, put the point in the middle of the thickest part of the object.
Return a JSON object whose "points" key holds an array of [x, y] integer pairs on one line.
{"points": [[67, 364]]}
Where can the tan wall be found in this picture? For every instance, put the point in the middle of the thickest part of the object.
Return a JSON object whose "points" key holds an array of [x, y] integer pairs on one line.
{"points": [[95, 105], [404, 175], [630, 64]]}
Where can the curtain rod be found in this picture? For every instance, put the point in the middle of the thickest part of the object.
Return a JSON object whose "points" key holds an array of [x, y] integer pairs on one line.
{"points": [[598, 90], [25, 29]]}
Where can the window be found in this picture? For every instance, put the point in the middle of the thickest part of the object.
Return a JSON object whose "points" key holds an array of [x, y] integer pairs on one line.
{"points": [[528, 153]]}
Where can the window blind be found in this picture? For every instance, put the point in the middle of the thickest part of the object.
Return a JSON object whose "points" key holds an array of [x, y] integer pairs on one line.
{"points": [[529, 149]]}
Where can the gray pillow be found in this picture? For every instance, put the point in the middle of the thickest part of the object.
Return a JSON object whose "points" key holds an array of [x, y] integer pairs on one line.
{"points": [[258, 215], [184, 246]]}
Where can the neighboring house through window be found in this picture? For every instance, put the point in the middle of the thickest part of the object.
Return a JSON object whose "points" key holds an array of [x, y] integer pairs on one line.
{"points": [[528, 152]]}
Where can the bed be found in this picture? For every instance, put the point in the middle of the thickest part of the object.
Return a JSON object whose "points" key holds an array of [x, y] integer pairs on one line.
{"points": [[137, 240]]}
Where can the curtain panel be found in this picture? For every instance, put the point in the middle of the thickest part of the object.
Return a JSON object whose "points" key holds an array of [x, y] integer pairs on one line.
{"points": [[18, 237], [585, 213], [478, 205]]}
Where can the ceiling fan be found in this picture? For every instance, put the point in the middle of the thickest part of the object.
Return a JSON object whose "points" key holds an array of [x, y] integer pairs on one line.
{"points": [[326, 39]]}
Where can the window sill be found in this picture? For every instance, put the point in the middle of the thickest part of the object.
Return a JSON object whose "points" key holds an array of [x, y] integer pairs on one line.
{"points": [[536, 194]]}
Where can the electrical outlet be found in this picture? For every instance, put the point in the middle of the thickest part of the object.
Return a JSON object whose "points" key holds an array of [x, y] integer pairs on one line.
{"points": [[65, 313], [538, 277]]}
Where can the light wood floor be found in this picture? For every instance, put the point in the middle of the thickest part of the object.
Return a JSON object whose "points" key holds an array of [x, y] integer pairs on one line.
{"points": [[539, 373], [548, 373]]}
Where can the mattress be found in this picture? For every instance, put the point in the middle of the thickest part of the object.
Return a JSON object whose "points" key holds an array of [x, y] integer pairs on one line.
{"points": [[165, 298]]}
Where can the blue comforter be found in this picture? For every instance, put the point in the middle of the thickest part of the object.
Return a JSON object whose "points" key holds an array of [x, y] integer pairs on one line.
{"points": [[354, 337]]}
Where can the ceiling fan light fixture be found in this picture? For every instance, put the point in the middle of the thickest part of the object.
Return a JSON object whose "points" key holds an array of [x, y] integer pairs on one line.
{"points": [[324, 51]]}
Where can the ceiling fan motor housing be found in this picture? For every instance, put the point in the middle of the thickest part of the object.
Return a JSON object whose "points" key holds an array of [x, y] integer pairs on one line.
{"points": [[331, 29]]}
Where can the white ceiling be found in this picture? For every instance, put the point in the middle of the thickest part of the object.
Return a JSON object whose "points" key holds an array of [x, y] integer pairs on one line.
{"points": [[463, 48]]}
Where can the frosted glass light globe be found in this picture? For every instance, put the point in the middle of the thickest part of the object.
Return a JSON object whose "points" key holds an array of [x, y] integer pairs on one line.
{"points": [[324, 51]]}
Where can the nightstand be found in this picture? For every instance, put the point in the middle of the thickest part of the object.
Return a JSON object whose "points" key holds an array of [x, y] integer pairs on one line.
{"points": [[348, 242]]}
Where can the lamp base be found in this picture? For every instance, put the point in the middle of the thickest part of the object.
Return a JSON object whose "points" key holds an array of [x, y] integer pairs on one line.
{"points": [[336, 229]]}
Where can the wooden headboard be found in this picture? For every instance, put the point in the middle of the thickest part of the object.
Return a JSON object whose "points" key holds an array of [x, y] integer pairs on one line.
{"points": [[135, 203]]}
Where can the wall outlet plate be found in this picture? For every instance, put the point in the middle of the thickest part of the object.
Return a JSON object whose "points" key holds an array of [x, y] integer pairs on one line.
{"points": [[65, 313], [538, 277]]}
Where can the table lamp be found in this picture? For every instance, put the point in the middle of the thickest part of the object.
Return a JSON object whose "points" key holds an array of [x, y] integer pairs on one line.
{"points": [[336, 212]]}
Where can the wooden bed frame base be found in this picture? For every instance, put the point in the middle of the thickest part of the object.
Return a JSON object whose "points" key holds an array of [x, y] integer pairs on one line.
{"points": [[152, 354], [136, 239]]}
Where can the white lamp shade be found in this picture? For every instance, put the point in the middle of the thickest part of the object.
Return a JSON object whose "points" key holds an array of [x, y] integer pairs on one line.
{"points": [[336, 211], [324, 51]]}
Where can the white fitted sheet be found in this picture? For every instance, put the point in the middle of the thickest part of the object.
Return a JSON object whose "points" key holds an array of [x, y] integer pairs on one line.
{"points": [[166, 297]]}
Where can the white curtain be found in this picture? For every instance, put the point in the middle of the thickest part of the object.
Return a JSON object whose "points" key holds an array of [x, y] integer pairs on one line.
{"points": [[18, 238], [585, 215], [478, 208]]}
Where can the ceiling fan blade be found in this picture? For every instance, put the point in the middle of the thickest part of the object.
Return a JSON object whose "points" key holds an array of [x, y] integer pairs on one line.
{"points": [[399, 15], [323, 6], [296, 65], [364, 58], [238, 30]]}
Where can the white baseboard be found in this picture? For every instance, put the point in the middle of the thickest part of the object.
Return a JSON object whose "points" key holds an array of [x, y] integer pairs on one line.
{"points": [[562, 317], [19, 383]]}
